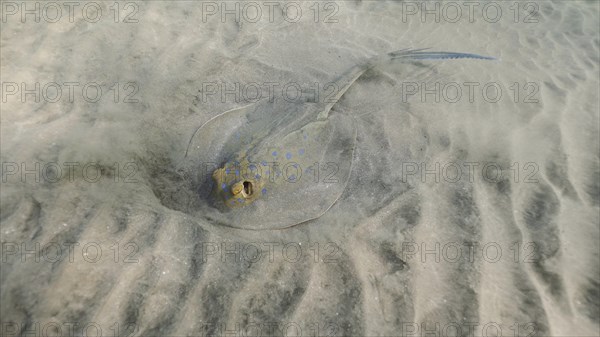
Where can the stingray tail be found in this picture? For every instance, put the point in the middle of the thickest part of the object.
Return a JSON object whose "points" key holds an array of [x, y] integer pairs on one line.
{"points": [[423, 54], [404, 54]]}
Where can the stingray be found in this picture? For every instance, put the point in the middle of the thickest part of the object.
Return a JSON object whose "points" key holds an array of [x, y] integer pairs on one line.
{"points": [[276, 165]]}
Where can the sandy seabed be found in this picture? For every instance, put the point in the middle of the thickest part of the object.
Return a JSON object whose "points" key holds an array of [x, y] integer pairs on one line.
{"points": [[472, 207]]}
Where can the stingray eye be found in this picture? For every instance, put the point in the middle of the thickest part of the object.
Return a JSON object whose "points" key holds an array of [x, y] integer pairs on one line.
{"points": [[242, 193], [247, 188], [242, 189], [239, 193]]}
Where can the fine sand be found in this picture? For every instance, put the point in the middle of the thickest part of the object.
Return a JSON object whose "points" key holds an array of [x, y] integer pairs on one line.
{"points": [[472, 207]]}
